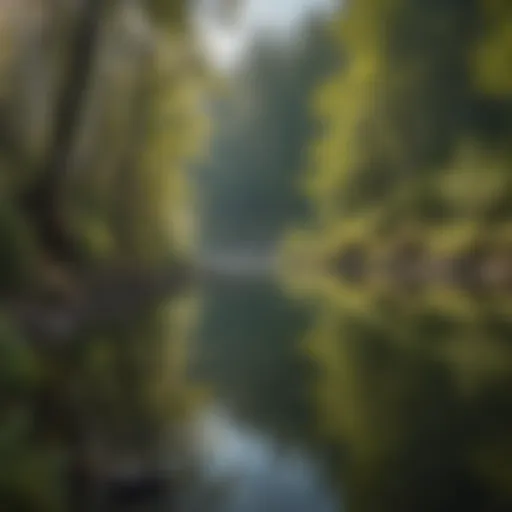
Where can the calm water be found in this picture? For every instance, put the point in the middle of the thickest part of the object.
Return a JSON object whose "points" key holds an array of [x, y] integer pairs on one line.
{"points": [[352, 400]]}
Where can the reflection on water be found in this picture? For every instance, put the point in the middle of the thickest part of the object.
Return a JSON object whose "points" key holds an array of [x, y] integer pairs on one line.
{"points": [[416, 393], [404, 403], [247, 351], [254, 445], [248, 471]]}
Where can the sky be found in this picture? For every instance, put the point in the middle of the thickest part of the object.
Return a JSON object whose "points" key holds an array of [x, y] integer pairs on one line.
{"points": [[226, 45]]}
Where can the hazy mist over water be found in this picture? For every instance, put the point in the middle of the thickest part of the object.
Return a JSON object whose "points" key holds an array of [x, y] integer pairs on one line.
{"points": [[255, 255]]}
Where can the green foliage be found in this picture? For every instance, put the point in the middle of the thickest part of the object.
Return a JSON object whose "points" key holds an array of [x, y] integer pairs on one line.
{"points": [[120, 197], [412, 168], [416, 126], [493, 50], [30, 475], [143, 125], [18, 248], [167, 11], [30, 472], [416, 398], [18, 362]]}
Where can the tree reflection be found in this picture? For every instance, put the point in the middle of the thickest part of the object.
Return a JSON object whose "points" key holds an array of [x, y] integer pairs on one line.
{"points": [[418, 401]]}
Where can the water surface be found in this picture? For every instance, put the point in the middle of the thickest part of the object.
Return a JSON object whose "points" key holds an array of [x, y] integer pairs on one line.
{"points": [[352, 400]]}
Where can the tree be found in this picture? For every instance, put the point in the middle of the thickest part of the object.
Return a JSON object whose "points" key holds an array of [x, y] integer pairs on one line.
{"points": [[99, 115], [409, 183], [413, 102]]}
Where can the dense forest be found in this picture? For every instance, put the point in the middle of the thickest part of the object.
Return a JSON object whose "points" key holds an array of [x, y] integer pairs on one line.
{"points": [[411, 176], [99, 110], [409, 184], [371, 149]]}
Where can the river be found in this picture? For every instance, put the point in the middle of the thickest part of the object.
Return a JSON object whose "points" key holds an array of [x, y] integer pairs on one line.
{"points": [[251, 443], [355, 400]]}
